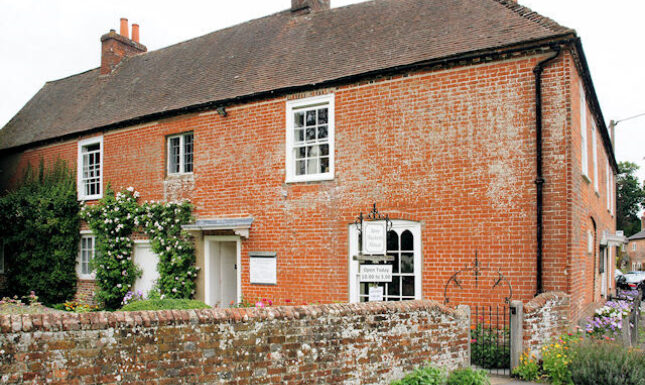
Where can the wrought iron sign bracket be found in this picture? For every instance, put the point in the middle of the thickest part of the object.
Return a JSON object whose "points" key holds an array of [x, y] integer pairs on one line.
{"points": [[373, 215]]}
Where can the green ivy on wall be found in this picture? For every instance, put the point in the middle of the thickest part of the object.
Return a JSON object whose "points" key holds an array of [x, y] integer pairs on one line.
{"points": [[114, 219]]}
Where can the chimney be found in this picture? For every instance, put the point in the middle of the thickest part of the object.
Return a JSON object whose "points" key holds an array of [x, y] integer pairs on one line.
{"points": [[135, 33], [307, 6], [116, 47]]}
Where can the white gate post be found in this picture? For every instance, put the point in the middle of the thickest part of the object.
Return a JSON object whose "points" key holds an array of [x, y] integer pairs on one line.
{"points": [[517, 329]]}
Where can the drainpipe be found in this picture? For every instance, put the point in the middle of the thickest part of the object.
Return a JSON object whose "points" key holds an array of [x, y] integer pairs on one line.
{"points": [[539, 181]]}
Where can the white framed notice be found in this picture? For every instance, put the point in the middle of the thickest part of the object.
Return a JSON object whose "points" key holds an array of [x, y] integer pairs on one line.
{"points": [[263, 268], [376, 293], [374, 236], [375, 273]]}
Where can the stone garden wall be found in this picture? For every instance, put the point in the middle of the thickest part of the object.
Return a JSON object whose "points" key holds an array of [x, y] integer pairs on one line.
{"points": [[545, 317], [369, 343]]}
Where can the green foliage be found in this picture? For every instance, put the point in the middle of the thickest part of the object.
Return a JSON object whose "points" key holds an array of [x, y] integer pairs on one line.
{"points": [[490, 348], [165, 304], [428, 375], [598, 362], [630, 198], [529, 368], [468, 376], [39, 223], [162, 223], [112, 221], [556, 362]]}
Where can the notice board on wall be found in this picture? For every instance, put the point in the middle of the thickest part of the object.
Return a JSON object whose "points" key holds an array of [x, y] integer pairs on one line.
{"points": [[263, 268]]}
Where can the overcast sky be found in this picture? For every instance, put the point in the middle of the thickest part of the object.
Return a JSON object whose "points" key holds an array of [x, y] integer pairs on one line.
{"points": [[43, 40]]}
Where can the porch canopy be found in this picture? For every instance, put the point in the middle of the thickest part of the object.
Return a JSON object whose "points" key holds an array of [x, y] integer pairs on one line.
{"points": [[240, 226]]}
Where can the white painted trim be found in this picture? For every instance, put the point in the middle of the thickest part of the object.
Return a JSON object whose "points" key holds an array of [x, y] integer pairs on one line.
{"points": [[182, 149], [79, 269], [329, 101], [207, 248], [141, 241], [79, 168]]}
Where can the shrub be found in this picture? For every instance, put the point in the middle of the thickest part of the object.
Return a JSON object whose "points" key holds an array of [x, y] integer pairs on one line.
{"points": [[165, 304], [39, 223], [601, 362], [490, 348], [468, 376], [423, 376], [556, 362], [76, 307]]}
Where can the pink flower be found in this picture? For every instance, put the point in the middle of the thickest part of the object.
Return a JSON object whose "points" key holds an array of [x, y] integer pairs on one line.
{"points": [[259, 304]]}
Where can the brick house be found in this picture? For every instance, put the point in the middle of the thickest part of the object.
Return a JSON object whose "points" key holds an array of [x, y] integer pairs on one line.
{"points": [[473, 124], [635, 248]]}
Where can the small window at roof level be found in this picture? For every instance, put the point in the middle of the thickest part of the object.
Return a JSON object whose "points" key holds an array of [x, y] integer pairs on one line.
{"points": [[180, 154]]}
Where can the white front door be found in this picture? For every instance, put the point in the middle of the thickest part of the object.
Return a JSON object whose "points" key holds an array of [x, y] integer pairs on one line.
{"points": [[222, 275], [404, 245], [603, 274], [147, 261]]}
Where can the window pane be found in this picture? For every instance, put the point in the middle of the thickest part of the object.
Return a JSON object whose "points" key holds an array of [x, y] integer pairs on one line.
{"points": [[395, 262], [407, 241], [299, 119], [324, 165], [313, 152], [311, 133], [408, 286], [392, 241], [300, 167], [188, 153], [311, 118], [174, 155], [300, 135], [301, 152], [407, 263], [322, 116], [322, 132], [312, 166], [394, 287], [324, 149]]}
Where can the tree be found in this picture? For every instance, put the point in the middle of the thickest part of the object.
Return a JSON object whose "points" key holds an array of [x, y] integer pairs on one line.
{"points": [[630, 198]]}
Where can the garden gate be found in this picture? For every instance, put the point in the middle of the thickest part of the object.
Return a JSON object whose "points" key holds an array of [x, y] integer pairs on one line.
{"points": [[490, 331]]}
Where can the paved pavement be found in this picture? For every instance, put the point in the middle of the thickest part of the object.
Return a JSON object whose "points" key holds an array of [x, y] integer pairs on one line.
{"points": [[500, 380]]}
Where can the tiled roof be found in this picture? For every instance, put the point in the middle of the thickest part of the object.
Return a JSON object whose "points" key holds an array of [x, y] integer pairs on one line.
{"points": [[277, 52], [639, 235]]}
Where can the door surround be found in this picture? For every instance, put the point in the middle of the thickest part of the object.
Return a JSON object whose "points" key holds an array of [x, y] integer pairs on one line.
{"points": [[208, 241]]}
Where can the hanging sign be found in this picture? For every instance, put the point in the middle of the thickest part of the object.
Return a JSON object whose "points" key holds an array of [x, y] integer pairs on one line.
{"points": [[376, 293], [375, 273], [374, 236]]}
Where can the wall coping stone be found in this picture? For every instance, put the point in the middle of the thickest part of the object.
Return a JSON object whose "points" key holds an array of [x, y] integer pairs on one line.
{"points": [[538, 302], [101, 320]]}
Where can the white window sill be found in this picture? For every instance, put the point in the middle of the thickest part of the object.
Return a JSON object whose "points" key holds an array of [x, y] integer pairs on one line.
{"points": [[84, 277], [310, 178], [180, 175], [90, 197]]}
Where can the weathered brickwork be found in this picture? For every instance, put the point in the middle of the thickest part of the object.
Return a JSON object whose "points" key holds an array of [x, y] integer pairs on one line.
{"points": [[452, 149], [328, 344], [545, 318], [85, 291]]}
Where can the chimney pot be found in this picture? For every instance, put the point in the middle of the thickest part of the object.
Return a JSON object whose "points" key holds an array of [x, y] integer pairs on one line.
{"points": [[135, 32], [124, 28]]}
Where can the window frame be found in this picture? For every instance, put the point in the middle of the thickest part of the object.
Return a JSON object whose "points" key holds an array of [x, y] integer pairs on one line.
{"points": [[182, 153], [327, 100], [594, 148], [397, 224], [79, 265], [80, 183], [583, 132]]}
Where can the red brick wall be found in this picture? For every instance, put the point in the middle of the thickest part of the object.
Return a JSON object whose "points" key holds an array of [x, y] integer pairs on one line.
{"points": [[329, 344], [636, 256], [587, 210], [453, 149], [85, 290]]}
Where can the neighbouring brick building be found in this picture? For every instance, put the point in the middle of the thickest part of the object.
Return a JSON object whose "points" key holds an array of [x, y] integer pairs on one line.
{"points": [[636, 248], [282, 129]]}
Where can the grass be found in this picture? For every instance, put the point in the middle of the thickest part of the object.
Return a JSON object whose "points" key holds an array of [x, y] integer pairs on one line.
{"points": [[165, 304]]}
